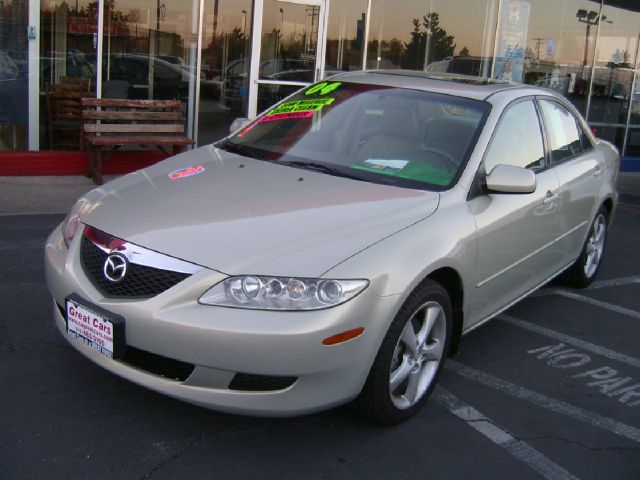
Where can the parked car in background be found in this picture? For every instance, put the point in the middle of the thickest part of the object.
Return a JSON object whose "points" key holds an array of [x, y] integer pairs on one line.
{"points": [[635, 103], [170, 80], [75, 62], [463, 65], [8, 68], [236, 81], [336, 248]]}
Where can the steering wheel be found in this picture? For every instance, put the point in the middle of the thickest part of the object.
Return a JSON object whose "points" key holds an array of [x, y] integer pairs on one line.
{"points": [[445, 159]]}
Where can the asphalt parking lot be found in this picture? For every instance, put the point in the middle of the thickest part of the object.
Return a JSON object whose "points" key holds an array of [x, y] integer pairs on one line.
{"points": [[550, 389]]}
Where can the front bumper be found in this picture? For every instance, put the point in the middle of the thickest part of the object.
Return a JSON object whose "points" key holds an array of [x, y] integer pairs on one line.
{"points": [[221, 342]]}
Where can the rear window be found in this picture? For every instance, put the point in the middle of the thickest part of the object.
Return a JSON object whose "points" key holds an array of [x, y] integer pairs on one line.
{"points": [[373, 133]]}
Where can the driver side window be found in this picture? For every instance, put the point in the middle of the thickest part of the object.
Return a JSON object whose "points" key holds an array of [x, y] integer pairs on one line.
{"points": [[517, 140]]}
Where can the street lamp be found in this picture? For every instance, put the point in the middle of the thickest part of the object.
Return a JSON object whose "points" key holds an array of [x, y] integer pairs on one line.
{"points": [[589, 18], [280, 32], [244, 23]]}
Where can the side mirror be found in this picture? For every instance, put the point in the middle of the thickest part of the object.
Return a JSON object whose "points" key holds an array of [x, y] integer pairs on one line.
{"points": [[510, 179], [238, 124]]}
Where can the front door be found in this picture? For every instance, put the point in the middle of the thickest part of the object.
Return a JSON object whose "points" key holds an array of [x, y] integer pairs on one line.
{"points": [[517, 233], [290, 49]]}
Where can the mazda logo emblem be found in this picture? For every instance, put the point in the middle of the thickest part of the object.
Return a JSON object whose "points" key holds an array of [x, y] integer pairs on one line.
{"points": [[115, 267]]}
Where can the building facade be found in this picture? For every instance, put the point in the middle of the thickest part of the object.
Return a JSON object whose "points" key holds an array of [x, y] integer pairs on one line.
{"points": [[233, 58]]}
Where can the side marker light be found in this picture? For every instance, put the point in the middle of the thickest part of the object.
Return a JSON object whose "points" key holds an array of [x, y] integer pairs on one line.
{"points": [[344, 336]]}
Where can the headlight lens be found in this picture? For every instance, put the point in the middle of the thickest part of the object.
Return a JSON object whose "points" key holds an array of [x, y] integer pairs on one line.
{"points": [[282, 293], [72, 224]]}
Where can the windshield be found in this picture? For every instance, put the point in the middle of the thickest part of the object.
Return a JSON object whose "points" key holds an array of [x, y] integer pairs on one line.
{"points": [[374, 133]]}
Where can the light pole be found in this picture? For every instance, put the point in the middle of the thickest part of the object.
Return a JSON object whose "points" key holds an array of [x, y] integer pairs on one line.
{"points": [[244, 23], [280, 31], [244, 35], [590, 18]]}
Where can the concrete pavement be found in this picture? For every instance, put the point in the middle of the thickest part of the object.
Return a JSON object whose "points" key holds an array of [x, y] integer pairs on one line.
{"points": [[33, 195]]}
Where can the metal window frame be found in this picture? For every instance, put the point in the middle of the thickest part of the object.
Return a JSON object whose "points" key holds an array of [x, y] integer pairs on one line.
{"points": [[627, 129], [593, 65], [33, 85], [256, 45]]}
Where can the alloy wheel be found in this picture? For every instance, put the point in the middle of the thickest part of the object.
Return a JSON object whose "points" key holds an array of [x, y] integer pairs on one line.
{"points": [[417, 355], [595, 245]]}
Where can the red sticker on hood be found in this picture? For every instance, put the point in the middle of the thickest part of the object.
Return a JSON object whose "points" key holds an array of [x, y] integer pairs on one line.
{"points": [[186, 172]]}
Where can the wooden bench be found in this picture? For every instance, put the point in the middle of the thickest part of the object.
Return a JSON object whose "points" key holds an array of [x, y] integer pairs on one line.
{"points": [[110, 124], [64, 114]]}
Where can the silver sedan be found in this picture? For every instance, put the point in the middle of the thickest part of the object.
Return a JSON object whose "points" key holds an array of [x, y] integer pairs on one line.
{"points": [[336, 248]]}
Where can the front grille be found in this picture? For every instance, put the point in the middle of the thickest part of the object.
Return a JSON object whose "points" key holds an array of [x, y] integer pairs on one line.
{"points": [[140, 281], [260, 383], [157, 364]]}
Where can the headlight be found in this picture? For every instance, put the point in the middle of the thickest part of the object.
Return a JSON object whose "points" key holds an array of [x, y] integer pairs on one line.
{"points": [[71, 224], [282, 293]]}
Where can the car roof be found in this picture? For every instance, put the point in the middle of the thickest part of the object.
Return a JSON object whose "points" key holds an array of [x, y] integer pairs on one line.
{"points": [[477, 88]]}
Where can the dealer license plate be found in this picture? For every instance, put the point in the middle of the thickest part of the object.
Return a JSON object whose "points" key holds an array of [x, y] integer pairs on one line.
{"points": [[95, 327]]}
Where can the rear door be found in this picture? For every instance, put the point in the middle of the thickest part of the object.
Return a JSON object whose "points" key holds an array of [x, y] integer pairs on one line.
{"points": [[579, 168]]}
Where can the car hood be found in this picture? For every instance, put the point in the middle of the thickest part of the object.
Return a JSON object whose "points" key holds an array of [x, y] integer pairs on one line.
{"points": [[239, 215]]}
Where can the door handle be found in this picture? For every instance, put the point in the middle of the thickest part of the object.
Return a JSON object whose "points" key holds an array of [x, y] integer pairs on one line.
{"points": [[597, 171], [550, 198]]}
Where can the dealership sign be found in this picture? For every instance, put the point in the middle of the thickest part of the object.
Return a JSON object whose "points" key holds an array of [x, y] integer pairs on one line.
{"points": [[512, 40]]}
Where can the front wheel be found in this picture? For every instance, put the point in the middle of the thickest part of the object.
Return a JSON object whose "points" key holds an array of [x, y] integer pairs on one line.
{"points": [[586, 267], [410, 358]]}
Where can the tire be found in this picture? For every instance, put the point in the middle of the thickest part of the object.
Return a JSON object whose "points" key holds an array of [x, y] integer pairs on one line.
{"points": [[586, 266], [402, 377]]}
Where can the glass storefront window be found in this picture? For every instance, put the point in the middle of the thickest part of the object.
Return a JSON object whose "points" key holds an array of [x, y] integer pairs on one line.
{"points": [[289, 42], [148, 50], [633, 135], [438, 36], [290, 48], [14, 73], [558, 49], [345, 36], [586, 50], [614, 69], [224, 84], [68, 54]]}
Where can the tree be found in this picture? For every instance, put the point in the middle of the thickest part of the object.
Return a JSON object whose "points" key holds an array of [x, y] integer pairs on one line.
{"points": [[392, 50], [464, 52], [427, 34]]}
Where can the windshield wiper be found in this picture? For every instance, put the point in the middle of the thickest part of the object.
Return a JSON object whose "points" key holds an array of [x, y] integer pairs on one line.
{"points": [[320, 167]]}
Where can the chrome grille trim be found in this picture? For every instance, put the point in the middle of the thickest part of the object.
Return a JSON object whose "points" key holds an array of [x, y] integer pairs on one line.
{"points": [[148, 274], [150, 258]]}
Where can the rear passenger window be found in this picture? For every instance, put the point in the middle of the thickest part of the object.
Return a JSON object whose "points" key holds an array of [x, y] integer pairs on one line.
{"points": [[562, 128], [518, 139]]}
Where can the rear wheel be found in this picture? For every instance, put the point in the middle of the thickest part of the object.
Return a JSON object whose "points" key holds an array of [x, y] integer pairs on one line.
{"points": [[586, 267], [410, 357]]}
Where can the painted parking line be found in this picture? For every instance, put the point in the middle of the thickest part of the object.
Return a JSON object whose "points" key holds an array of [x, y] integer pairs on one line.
{"points": [[568, 339], [548, 403], [498, 435], [628, 207], [614, 282], [599, 303]]}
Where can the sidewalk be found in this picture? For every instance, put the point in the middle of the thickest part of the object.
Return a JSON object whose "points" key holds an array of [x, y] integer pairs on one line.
{"points": [[32, 195]]}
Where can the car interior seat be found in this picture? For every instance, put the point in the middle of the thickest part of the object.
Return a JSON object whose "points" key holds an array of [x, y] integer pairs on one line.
{"points": [[396, 132]]}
